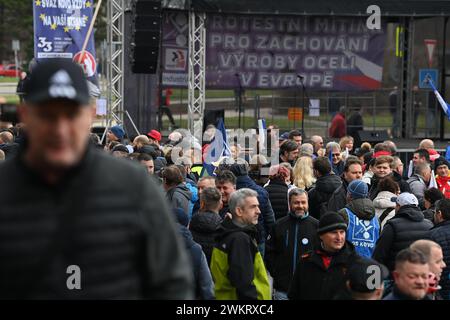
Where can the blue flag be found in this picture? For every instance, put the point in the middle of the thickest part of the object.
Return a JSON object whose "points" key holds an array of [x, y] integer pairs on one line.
{"points": [[217, 149], [445, 106], [60, 29]]}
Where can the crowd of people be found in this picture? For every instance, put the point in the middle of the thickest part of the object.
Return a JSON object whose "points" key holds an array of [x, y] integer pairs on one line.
{"points": [[329, 221]]}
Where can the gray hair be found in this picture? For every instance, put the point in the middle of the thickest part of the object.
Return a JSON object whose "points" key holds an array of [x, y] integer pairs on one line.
{"points": [[421, 168], [296, 192], [333, 146], [424, 246], [237, 199]]}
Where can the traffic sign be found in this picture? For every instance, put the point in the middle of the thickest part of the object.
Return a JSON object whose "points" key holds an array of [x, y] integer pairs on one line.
{"points": [[424, 74]]}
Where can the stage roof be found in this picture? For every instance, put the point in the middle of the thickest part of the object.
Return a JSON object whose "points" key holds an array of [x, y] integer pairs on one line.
{"points": [[392, 8]]}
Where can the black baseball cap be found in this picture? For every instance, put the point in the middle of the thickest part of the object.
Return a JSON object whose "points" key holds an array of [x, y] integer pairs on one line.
{"points": [[362, 272], [57, 79]]}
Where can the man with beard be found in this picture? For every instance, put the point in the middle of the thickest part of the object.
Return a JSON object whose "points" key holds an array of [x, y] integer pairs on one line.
{"points": [[291, 237]]}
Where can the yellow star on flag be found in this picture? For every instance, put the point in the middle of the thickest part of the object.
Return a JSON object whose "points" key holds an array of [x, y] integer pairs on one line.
{"points": [[88, 4], [37, 3], [77, 28], [85, 18], [42, 17], [53, 26], [66, 29]]}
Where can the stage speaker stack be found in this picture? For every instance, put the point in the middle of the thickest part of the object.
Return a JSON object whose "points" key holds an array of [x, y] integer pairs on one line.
{"points": [[373, 137], [146, 35]]}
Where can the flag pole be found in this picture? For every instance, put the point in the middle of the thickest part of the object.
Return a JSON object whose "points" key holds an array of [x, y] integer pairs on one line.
{"points": [[91, 27]]}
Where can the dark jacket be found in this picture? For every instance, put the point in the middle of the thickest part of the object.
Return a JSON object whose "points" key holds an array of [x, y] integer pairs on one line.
{"points": [[429, 213], [291, 237], [338, 168], [180, 197], [105, 216], [313, 281], [407, 226], [278, 196], [338, 199], [237, 266], [267, 217], [397, 295], [204, 227], [373, 192], [440, 234], [320, 195], [204, 285]]}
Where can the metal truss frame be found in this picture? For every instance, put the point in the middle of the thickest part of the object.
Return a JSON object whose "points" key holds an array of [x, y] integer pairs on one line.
{"points": [[197, 72], [116, 51]]}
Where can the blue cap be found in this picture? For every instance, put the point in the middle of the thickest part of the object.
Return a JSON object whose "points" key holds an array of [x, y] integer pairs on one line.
{"points": [[118, 132], [358, 189]]}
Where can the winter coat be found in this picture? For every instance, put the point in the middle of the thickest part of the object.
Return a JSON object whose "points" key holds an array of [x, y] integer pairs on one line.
{"points": [[407, 226], [203, 227], [290, 238], [429, 213], [192, 186], [106, 216], [204, 285], [180, 197], [444, 185], [338, 168], [418, 187], [237, 266], [319, 196], [313, 281], [338, 199], [440, 234], [395, 294], [363, 227], [373, 192], [267, 217], [383, 202], [278, 196]]}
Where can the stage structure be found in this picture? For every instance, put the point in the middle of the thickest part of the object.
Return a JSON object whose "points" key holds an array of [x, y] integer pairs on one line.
{"points": [[116, 27]]}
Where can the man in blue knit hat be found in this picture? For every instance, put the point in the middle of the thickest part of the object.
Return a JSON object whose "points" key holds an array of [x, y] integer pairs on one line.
{"points": [[115, 133], [359, 214]]}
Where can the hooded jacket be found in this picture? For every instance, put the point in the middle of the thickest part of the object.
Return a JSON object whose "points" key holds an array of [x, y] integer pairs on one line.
{"points": [[313, 281], [383, 202], [237, 266], [407, 226], [180, 197], [290, 238], [319, 196], [404, 186], [204, 228], [204, 286], [363, 227]]}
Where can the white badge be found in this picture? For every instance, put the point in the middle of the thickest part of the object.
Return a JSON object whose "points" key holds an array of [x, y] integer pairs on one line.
{"points": [[305, 241]]}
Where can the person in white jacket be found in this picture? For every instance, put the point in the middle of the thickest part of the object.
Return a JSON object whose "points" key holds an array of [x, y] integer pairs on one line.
{"points": [[384, 206]]}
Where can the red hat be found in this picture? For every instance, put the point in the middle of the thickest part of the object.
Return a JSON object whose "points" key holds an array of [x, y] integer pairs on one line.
{"points": [[154, 135]]}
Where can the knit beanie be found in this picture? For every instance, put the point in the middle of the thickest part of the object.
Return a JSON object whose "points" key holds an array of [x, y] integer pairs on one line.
{"points": [[331, 221], [358, 189], [118, 132]]}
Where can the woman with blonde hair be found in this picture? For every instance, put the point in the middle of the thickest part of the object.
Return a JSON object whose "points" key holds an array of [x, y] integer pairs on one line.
{"points": [[346, 144], [303, 173]]}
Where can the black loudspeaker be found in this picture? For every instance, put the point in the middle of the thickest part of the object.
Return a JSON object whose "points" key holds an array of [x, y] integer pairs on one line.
{"points": [[373, 137], [8, 113], [212, 117], [146, 35]]}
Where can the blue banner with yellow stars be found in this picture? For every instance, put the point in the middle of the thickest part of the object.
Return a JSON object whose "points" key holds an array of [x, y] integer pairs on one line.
{"points": [[60, 29]]}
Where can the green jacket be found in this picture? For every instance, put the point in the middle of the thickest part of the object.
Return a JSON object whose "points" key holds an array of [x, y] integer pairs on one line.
{"points": [[237, 266]]}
